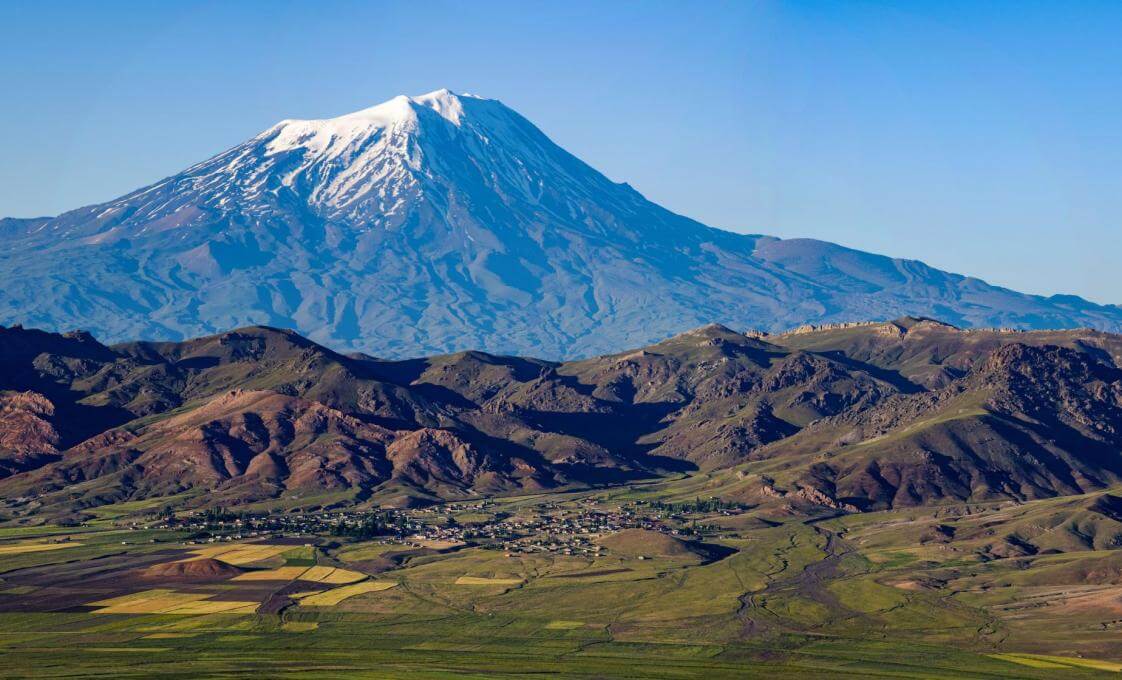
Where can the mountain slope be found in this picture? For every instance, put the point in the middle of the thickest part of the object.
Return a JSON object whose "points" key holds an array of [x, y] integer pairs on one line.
{"points": [[909, 412], [1028, 423], [446, 222]]}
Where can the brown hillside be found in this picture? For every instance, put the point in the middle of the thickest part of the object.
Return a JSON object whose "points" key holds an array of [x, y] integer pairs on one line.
{"points": [[203, 569], [908, 412], [644, 542]]}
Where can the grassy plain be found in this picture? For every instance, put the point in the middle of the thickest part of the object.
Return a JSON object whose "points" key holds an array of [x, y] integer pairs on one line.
{"points": [[917, 593]]}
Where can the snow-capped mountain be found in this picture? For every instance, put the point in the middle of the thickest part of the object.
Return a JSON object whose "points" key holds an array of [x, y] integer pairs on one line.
{"points": [[445, 222]]}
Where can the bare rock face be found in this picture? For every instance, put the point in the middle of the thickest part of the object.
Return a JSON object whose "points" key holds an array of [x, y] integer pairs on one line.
{"points": [[27, 433], [442, 459], [25, 423]]}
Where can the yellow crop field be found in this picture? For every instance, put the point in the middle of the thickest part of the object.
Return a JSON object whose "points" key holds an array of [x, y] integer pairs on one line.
{"points": [[333, 597], [147, 602], [240, 553], [438, 544], [343, 576], [332, 575], [318, 574], [481, 581], [31, 547], [278, 574], [163, 601]]}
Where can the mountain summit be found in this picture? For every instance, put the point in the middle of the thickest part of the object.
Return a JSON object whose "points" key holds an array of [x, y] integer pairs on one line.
{"points": [[442, 222]]}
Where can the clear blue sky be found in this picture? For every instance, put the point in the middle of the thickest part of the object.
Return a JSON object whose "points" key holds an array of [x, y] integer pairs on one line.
{"points": [[981, 137]]}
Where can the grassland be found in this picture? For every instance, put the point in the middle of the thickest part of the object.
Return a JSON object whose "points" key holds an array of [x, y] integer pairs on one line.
{"points": [[862, 596]]}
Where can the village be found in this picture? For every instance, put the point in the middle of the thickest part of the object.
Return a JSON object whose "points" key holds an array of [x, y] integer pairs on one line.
{"points": [[552, 527]]}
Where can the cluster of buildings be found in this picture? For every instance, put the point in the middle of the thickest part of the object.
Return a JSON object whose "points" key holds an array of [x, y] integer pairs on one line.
{"points": [[551, 527]]}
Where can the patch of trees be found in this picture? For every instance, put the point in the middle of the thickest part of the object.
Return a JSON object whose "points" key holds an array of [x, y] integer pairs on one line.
{"points": [[371, 526], [698, 505]]}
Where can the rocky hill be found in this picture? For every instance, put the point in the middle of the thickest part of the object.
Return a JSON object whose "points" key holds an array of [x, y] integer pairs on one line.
{"points": [[868, 416]]}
